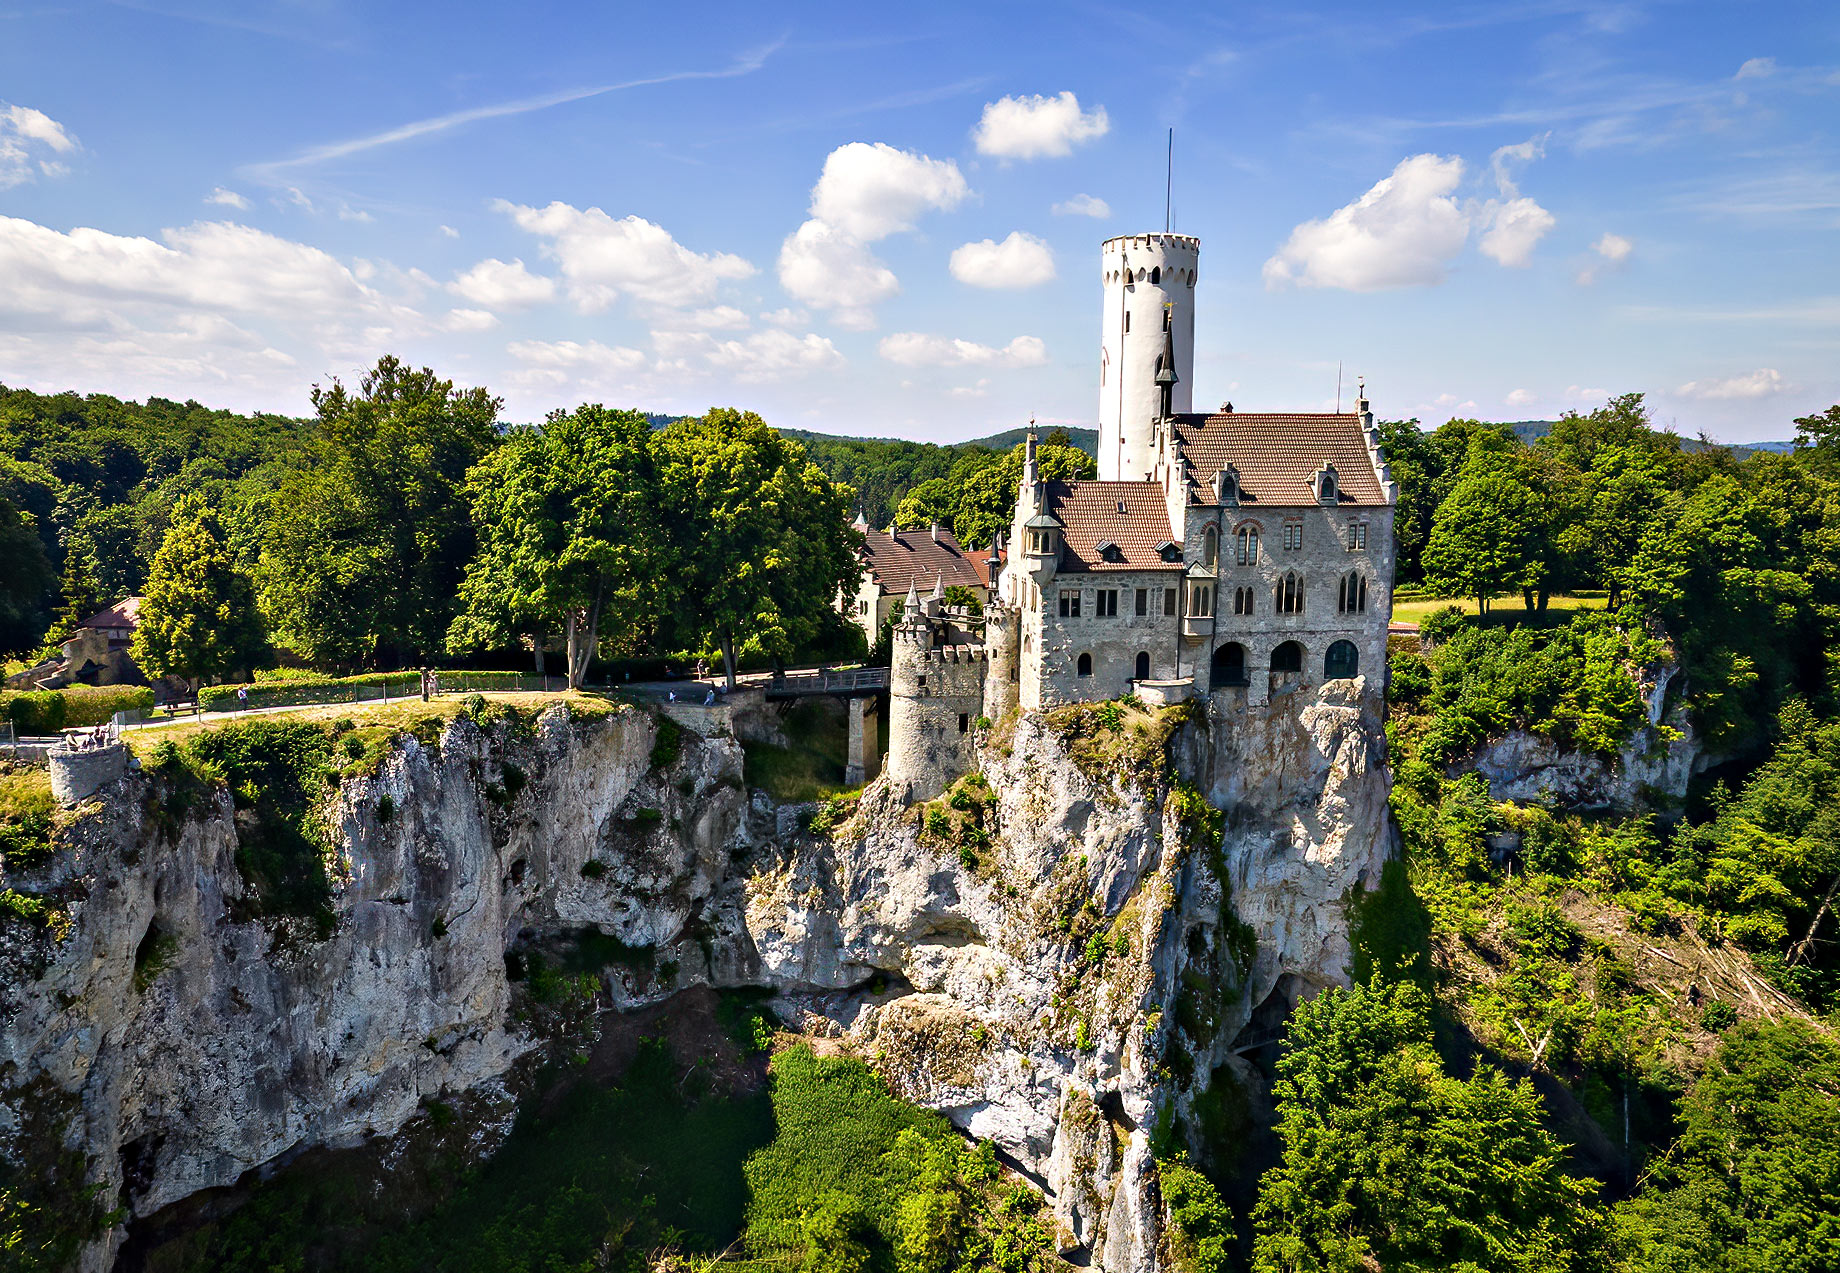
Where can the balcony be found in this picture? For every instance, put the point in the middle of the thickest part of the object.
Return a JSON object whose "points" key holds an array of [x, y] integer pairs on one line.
{"points": [[1197, 626]]}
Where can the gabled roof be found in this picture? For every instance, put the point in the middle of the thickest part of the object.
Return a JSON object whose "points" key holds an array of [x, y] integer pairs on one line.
{"points": [[1089, 511], [911, 558], [125, 613], [1278, 456]]}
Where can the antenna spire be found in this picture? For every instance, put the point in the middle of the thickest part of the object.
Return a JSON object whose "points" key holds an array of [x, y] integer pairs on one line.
{"points": [[1169, 182], [1338, 386]]}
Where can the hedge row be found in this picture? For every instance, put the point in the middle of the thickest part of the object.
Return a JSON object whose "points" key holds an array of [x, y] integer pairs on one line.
{"points": [[306, 691], [48, 711]]}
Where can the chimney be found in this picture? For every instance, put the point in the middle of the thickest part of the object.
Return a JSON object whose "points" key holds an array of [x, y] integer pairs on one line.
{"points": [[935, 532]]}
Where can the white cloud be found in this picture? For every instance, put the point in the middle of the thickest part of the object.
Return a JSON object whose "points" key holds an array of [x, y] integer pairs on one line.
{"points": [[1512, 225], [1515, 229], [212, 307], [719, 318], [1612, 250], [348, 213], [1037, 127], [1401, 233], [1521, 397], [1582, 394], [918, 349], [787, 317], [871, 191], [766, 355], [977, 390], [1083, 205], [228, 199], [497, 284], [830, 270], [1409, 227], [448, 232], [469, 320], [553, 364], [1756, 68], [296, 196], [602, 259], [1762, 383], [26, 135], [1021, 260]]}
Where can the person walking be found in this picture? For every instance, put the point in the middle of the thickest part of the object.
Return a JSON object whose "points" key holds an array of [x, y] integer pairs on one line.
{"points": [[242, 698]]}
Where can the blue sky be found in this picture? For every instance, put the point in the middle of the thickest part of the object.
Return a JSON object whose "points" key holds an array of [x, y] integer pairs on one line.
{"points": [[862, 220]]}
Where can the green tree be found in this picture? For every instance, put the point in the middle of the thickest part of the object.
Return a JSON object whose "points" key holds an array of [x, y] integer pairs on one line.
{"points": [[1485, 537], [1754, 1180], [987, 497], [837, 1233], [199, 616], [1203, 1237], [25, 581], [1820, 434], [80, 598], [364, 552], [1391, 1163], [570, 536], [762, 543]]}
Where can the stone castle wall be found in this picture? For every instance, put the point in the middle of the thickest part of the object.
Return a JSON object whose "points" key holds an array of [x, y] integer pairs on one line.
{"points": [[935, 695]]}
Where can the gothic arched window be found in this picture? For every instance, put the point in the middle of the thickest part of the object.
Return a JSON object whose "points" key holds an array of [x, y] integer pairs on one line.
{"points": [[1351, 595], [1210, 548], [1288, 596], [1156, 274]]}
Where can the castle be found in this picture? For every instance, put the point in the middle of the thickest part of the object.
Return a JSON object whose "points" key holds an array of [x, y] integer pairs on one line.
{"points": [[1240, 556]]}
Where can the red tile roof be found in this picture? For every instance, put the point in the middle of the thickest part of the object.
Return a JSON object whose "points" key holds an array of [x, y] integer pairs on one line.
{"points": [[912, 558], [1088, 511], [125, 613], [1278, 455]]}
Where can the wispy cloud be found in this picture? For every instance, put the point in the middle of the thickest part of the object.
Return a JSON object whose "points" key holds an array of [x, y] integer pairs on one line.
{"points": [[274, 171]]}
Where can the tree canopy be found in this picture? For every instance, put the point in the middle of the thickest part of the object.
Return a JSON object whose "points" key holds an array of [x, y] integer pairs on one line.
{"points": [[198, 618]]}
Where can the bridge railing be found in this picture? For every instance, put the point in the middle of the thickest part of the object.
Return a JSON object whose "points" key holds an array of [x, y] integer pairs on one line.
{"points": [[860, 680]]}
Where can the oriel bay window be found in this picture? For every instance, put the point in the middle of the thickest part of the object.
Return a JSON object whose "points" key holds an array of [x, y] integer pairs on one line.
{"points": [[1200, 599]]}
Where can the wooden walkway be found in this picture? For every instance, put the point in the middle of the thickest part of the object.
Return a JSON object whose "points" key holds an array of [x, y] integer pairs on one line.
{"points": [[856, 683]]}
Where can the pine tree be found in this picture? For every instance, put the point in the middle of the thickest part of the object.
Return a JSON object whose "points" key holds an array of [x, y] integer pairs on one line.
{"points": [[81, 598], [199, 617]]}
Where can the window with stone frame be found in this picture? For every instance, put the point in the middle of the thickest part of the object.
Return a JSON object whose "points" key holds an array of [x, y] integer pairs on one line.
{"points": [[1293, 536], [1105, 603], [1169, 603], [1351, 594], [1070, 603], [1242, 601], [1357, 537], [1248, 537], [1287, 598], [1210, 548], [1143, 603], [1201, 600]]}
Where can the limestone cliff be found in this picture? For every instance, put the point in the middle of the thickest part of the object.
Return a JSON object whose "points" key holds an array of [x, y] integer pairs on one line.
{"points": [[1057, 953]]}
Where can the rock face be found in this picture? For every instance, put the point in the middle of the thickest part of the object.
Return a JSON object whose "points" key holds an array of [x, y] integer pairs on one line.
{"points": [[1654, 766], [1051, 954]]}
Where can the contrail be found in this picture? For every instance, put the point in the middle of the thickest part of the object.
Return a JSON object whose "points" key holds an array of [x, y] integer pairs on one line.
{"points": [[272, 171]]}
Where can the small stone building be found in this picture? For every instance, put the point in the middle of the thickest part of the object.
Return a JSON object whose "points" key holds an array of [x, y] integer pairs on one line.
{"points": [[896, 562], [1246, 557], [95, 654]]}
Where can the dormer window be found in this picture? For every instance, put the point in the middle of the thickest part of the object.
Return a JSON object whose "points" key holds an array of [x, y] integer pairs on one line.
{"points": [[1169, 550], [1226, 486], [1327, 488], [1109, 551]]}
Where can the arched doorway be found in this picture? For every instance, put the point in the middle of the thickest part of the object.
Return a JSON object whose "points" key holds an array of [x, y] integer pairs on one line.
{"points": [[1341, 661], [1143, 665], [1230, 664], [1083, 665], [1286, 667]]}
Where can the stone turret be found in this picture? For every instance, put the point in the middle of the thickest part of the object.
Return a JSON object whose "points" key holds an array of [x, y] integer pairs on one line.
{"points": [[1003, 646], [935, 692]]}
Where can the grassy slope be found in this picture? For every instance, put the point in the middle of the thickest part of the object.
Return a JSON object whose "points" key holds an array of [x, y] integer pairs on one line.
{"points": [[1501, 610]]}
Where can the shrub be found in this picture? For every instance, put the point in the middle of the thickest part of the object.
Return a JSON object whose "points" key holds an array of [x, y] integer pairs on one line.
{"points": [[305, 691], [49, 711], [26, 809], [669, 744]]}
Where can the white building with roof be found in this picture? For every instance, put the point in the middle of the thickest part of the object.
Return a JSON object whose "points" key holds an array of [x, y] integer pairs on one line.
{"points": [[1246, 557]]}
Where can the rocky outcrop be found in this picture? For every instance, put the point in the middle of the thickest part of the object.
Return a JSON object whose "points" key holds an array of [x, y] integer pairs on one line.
{"points": [[1652, 768], [1062, 947]]}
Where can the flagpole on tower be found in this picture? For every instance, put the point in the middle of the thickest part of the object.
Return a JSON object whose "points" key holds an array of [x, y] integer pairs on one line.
{"points": [[1169, 181]]}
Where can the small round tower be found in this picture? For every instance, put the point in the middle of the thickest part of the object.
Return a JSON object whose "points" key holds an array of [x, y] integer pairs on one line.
{"points": [[1149, 281], [1003, 646]]}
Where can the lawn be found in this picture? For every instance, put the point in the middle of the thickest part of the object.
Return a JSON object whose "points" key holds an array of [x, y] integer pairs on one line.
{"points": [[1501, 609]]}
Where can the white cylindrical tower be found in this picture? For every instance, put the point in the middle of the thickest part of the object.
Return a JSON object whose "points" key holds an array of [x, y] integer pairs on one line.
{"points": [[1147, 277]]}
